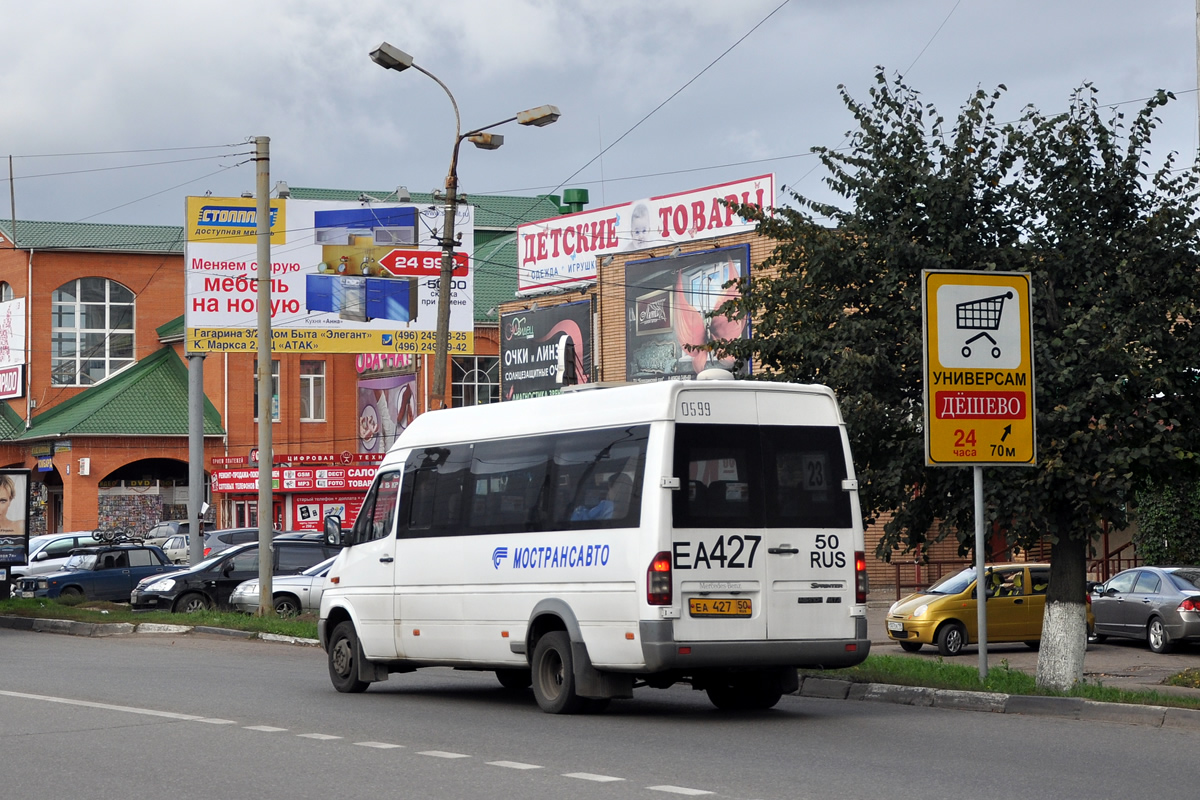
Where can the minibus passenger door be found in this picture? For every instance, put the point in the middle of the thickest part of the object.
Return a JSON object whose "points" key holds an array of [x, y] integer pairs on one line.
{"points": [[367, 572]]}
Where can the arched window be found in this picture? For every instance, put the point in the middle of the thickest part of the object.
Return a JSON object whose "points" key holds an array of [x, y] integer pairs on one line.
{"points": [[91, 331], [6, 292]]}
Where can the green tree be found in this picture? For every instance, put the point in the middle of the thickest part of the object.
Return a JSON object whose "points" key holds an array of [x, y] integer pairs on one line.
{"points": [[1112, 252], [1168, 524]]}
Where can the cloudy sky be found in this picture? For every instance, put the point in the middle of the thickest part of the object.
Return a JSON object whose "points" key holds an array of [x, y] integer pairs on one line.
{"points": [[115, 112]]}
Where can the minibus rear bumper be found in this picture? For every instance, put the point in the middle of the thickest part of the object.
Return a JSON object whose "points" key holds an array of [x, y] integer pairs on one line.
{"points": [[662, 652]]}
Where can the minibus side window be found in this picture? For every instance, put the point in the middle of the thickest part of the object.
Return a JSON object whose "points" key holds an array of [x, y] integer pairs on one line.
{"points": [[433, 491], [597, 478], [377, 517]]}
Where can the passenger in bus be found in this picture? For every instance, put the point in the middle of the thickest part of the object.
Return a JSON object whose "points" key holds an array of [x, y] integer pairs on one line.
{"points": [[613, 505]]}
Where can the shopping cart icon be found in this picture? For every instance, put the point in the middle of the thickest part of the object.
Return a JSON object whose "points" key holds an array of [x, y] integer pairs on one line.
{"points": [[981, 315]]}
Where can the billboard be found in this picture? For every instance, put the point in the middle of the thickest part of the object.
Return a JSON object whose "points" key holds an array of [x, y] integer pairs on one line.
{"points": [[667, 307], [12, 349], [530, 342], [345, 277], [562, 252], [14, 516], [386, 406]]}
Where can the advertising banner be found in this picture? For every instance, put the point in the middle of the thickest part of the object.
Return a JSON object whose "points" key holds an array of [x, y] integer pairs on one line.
{"points": [[310, 510], [667, 307], [296, 479], [14, 516], [386, 406], [12, 349], [562, 252], [345, 277], [530, 342]]}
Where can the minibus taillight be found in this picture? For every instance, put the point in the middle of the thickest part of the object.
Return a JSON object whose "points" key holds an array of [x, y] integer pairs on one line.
{"points": [[860, 577], [658, 580]]}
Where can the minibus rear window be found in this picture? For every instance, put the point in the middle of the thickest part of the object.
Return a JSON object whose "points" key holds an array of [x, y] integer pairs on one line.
{"points": [[751, 476]]}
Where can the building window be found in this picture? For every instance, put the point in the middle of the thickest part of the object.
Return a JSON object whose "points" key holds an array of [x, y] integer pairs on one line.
{"points": [[476, 381], [6, 292], [91, 331], [274, 391], [312, 391]]}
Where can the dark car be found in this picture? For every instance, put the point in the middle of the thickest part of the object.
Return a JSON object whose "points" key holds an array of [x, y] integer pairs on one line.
{"points": [[216, 541], [104, 572], [210, 583], [1159, 605]]}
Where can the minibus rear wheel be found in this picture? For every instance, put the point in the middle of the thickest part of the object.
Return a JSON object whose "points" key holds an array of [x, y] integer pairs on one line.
{"points": [[554, 675]]}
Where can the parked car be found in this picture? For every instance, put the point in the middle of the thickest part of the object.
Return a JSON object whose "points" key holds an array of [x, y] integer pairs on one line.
{"points": [[1159, 605], [168, 528], [48, 552], [946, 614], [178, 548], [293, 594], [103, 572], [216, 541], [210, 583]]}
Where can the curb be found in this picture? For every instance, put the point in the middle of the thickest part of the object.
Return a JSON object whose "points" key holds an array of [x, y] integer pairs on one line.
{"points": [[101, 629], [996, 703]]}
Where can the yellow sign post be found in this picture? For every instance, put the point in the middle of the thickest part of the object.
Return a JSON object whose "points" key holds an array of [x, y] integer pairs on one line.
{"points": [[979, 403]]}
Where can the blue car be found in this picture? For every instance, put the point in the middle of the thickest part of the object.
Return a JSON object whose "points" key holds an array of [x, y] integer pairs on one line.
{"points": [[106, 572]]}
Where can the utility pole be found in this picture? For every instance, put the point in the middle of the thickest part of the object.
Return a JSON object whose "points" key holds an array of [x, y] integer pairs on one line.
{"points": [[266, 415]]}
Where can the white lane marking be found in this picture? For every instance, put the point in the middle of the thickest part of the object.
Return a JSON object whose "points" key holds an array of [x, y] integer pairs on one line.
{"points": [[213, 721], [264, 728], [379, 745], [442, 754], [149, 712], [588, 776], [319, 736], [513, 765], [677, 790]]}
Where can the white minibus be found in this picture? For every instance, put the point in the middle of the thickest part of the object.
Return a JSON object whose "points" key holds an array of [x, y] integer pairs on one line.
{"points": [[588, 543]]}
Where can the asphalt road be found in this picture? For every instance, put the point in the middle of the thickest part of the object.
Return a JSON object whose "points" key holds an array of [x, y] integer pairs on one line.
{"points": [[201, 716]]}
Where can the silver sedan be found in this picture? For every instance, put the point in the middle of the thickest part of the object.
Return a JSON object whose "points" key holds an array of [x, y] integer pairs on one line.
{"points": [[1160, 605], [293, 594]]}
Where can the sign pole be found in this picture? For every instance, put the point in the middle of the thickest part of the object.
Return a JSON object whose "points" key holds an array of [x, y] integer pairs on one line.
{"points": [[980, 583]]}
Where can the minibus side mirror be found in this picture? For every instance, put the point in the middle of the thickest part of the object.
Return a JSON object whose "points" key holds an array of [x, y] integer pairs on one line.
{"points": [[333, 531]]}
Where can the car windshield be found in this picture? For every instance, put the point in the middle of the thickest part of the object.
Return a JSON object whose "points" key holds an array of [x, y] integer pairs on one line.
{"points": [[218, 558], [953, 584], [1187, 580], [81, 561], [319, 569]]}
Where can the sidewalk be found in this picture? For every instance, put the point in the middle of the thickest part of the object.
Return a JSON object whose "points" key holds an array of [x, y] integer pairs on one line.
{"points": [[1118, 663]]}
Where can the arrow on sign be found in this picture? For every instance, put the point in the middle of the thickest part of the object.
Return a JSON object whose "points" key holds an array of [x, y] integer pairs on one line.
{"points": [[1007, 431], [420, 263]]}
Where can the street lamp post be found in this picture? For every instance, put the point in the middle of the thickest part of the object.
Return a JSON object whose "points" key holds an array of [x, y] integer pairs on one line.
{"points": [[390, 57]]}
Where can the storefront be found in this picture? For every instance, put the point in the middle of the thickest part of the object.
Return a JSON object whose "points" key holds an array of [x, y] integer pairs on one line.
{"points": [[305, 489]]}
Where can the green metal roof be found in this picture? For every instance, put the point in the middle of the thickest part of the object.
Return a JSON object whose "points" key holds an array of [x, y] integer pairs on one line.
{"points": [[11, 424], [148, 399], [95, 236], [172, 331], [491, 210], [495, 277]]}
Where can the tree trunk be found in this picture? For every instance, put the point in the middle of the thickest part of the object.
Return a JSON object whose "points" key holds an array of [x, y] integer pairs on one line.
{"points": [[1064, 624]]}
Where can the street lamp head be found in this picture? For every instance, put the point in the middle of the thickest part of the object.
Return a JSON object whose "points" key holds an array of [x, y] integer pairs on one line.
{"points": [[390, 57], [538, 117], [486, 141]]}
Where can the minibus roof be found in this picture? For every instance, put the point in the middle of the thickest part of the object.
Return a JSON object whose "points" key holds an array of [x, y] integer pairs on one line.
{"points": [[582, 409]]}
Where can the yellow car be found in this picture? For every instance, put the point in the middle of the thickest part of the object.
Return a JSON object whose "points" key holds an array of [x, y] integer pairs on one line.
{"points": [[946, 615]]}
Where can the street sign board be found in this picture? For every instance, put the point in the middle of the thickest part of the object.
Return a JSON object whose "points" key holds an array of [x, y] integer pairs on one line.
{"points": [[978, 343]]}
